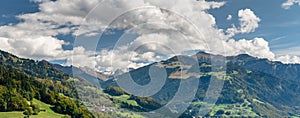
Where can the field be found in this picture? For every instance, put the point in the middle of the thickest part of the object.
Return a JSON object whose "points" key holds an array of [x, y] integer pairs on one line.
{"points": [[228, 110], [49, 113], [125, 98], [14, 114], [128, 114], [235, 110]]}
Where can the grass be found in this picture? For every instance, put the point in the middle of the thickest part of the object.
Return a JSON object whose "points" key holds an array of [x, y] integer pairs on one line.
{"points": [[129, 115], [197, 103], [235, 110], [235, 72], [49, 113], [240, 91], [232, 110], [297, 116], [14, 114], [258, 101], [204, 65], [124, 98], [248, 71]]}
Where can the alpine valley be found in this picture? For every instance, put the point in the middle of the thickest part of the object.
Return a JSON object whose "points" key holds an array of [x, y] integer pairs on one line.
{"points": [[253, 87]]}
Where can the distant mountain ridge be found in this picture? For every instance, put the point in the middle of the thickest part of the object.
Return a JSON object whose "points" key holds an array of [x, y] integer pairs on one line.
{"points": [[41, 68], [23, 80], [275, 68], [261, 87], [248, 80]]}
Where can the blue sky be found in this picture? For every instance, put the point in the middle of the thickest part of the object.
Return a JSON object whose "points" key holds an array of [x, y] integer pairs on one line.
{"points": [[278, 26], [10, 8]]}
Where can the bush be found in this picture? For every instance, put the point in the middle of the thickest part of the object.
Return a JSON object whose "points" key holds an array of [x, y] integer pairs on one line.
{"points": [[35, 107], [220, 112], [68, 106], [28, 111], [114, 91]]}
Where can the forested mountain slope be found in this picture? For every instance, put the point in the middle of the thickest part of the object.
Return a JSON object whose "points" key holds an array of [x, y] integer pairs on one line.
{"points": [[22, 80]]}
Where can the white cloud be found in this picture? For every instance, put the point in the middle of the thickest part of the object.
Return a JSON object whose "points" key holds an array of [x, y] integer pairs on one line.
{"points": [[33, 47], [113, 60], [162, 31], [81, 58], [257, 47], [73, 13], [248, 22], [289, 3], [167, 32], [229, 17], [288, 59], [35, 36]]}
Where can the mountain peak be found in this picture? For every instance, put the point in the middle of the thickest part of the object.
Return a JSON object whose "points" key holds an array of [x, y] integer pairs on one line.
{"points": [[201, 53]]}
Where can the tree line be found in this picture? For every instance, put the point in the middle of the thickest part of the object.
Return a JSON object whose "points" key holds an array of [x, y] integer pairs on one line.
{"points": [[18, 89]]}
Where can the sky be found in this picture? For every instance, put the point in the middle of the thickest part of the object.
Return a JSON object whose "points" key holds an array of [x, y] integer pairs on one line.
{"points": [[279, 26], [117, 34]]}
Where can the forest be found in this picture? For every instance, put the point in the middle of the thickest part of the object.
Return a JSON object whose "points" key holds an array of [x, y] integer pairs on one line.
{"points": [[17, 90]]}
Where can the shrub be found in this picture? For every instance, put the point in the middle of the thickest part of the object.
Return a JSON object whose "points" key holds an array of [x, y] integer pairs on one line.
{"points": [[220, 112]]}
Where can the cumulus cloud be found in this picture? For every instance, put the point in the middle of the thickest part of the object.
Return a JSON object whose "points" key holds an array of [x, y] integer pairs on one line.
{"points": [[164, 28], [35, 36], [229, 17], [289, 3], [257, 47], [176, 33], [111, 60], [81, 58], [248, 22], [33, 47], [288, 59]]}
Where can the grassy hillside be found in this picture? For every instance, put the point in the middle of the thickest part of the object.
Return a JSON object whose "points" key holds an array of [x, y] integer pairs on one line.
{"points": [[48, 113], [13, 114], [246, 92], [23, 80]]}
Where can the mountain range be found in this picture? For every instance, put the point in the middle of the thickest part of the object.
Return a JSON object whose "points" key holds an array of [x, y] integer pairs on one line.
{"points": [[251, 87]]}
